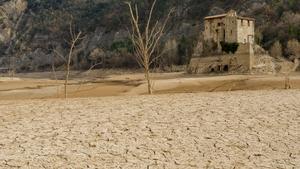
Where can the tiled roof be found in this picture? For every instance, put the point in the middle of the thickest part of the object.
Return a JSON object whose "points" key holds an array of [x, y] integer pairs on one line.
{"points": [[215, 16], [224, 15], [246, 18]]}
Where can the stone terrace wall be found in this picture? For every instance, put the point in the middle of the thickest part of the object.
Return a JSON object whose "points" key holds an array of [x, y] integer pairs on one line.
{"points": [[240, 62]]}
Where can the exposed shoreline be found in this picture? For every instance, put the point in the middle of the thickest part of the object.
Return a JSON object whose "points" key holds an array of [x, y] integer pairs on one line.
{"points": [[240, 129], [99, 84]]}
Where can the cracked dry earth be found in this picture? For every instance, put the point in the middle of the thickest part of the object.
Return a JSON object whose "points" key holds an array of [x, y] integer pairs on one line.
{"points": [[253, 129]]}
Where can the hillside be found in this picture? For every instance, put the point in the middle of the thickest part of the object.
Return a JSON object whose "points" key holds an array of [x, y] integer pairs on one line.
{"points": [[34, 31]]}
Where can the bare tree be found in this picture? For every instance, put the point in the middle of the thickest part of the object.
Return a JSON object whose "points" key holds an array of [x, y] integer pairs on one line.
{"points": [[75, 37], [293, 49], [146, 38], [287, 82]]}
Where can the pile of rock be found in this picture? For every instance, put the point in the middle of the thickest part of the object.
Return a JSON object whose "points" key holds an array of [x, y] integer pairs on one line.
{"points": [[263, 64]]}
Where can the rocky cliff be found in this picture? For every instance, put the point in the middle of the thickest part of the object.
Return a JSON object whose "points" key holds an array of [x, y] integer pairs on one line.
{"points": [[34, 34]]}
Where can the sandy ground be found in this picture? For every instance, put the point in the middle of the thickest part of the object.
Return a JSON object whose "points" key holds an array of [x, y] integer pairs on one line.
{"points": [[237, 130], [106, 83]]}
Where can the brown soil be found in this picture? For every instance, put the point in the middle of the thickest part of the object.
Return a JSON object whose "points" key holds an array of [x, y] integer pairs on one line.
{"points": [[99, 83]]}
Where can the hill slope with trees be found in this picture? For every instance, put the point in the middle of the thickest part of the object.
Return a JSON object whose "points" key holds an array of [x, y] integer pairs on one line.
{"points": [[34, 31]]}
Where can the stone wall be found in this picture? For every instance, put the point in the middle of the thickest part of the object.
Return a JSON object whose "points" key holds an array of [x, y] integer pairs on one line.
{"points": [[231, 29], [245, 56], [245, 31], [240, 62], [211, 25]]}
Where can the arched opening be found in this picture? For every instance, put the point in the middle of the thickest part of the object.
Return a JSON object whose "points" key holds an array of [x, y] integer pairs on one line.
{"points": [[212, 70], [226, 68]]}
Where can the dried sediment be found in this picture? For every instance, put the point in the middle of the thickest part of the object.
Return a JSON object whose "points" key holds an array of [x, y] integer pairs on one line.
{"points": [[258, 129]]}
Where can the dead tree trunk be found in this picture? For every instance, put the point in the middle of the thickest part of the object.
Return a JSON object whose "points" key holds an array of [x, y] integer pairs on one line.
{"points": [[287, 81], [147, 74]]}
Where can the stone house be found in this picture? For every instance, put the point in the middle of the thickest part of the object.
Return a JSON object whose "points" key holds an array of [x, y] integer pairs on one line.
{"points": [[229, 28]]}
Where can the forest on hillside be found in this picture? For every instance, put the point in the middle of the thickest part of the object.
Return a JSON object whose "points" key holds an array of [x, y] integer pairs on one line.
{"points": [[35, 29]]}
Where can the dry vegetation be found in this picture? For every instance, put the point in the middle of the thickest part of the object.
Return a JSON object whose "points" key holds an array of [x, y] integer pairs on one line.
{"points": [[44, 26], [146, 40]]}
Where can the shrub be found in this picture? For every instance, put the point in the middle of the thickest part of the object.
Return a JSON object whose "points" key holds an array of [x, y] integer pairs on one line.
{"points": [[120, 46], [293, 48], [276, 50]]}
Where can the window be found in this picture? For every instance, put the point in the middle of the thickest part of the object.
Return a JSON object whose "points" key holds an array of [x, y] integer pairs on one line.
{"points": [[219, 24], [231, 32], [242, 22], [248, 23]]}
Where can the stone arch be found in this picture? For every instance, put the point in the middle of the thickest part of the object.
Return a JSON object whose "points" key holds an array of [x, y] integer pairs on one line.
{"points": [[226, 68]]}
